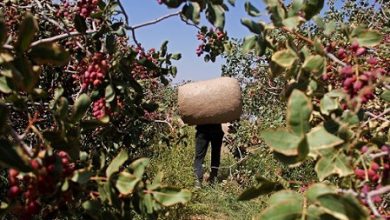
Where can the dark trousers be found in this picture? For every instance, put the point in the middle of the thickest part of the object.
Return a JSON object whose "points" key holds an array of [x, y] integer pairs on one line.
{"points": [[202, 141]]}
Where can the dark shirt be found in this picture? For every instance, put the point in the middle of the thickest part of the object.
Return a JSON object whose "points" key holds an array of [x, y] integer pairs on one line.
{"points": [[209, 128]]}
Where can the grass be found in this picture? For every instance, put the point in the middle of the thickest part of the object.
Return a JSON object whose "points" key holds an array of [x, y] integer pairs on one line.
{"points": [[220, 201], [211, 202]]}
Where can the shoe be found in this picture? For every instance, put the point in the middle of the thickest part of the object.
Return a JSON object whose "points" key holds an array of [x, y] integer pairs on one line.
{"points": [[212, 180], [198, 184]]}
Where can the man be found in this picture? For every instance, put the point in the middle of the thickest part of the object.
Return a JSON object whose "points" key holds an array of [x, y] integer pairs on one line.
{"points": [[204, 135]]}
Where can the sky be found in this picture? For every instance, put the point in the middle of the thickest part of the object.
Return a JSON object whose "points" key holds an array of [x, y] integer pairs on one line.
{"points": [[182, 37]]}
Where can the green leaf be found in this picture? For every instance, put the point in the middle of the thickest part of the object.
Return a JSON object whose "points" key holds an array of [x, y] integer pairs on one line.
{"points": [[169, 196], [173, 3], [173, 71], [333, 163], [126, 182], [82, 176], [299, 109], [147, 203], [343, 207], [3, 32], [27, 30], [284, 58], [11, 156], [312, 87], [109, 93], [262, 187], [319, 189], [57, 94], [70, 144], [80, 107], [163, 48], [253, 26], [102, 160], [232, 2], [4, 88], [116, 26], [251, 10], [91, 124], [156, 182], [315, 212], [303, 151], [215, 14], [65, 186], [278, 13], [337, 93], [282, 211], [138, 166], [292, 22], [116, 163], [23, 74], [319, 139], [312, 7], [97, 15], [176, 56], [386, 95], [80, 24], [319, 21], [5, 58], [285, 196], [62, 108], [3, 206], [282, 141], [350, 118], [108, 193], [111, 43], [254, 43], [330, 27], [305, 51], [271, 3], [328, 104], [296, 7], [315, 64], [93, 208], [150, 106], [49, 54], [191, 12], [367, 38]]}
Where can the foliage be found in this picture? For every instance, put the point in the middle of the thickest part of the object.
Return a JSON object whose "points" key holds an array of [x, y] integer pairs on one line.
{"points": [[80, 107], [77, 105], [334, 82]]}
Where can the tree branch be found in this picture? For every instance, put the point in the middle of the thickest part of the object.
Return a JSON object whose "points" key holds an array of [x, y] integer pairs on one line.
{"points": [[373, 193], [309, 41], [26, 149], [153, 21], [124, 12], [61, 36], [377, 155], [55, 23], [335, 59], [189, 23], [54, 38], [376, 116], [133, 28], [134, 37], [166, 122]]}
